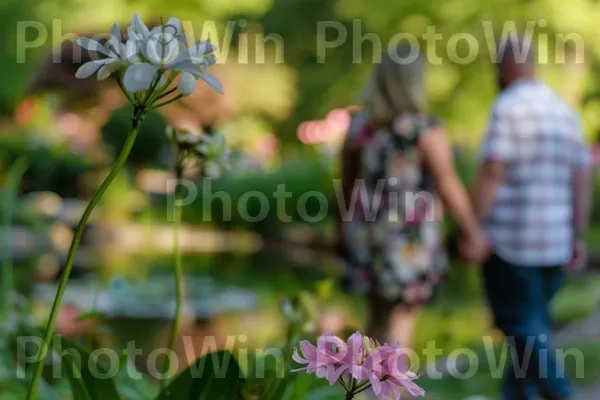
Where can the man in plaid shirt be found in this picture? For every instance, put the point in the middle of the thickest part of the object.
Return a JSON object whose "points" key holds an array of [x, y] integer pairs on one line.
{"points": [[532, 195]]}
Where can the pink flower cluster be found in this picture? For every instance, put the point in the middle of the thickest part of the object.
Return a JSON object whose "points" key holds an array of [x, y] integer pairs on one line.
{"points": [[359, 360], [329, 129]]}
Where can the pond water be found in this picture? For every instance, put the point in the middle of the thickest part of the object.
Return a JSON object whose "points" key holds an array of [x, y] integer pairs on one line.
{"points": [[224, 294]]}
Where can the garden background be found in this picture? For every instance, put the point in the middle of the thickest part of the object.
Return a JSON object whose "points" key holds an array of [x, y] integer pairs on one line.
{"points": [[239, 272]]}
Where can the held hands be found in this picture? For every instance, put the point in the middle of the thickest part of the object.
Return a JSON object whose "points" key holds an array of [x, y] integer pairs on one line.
{"points": [[579, 259], [474, 246]]}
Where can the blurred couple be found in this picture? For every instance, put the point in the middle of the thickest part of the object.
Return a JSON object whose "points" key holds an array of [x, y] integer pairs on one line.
{"points": [[525, 220]]}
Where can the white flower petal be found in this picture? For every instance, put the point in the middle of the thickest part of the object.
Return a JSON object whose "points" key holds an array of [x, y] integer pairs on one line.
{"points": [[187, 84], [152, 52], [183, 38], [89, 68], [185, 66], [201, 48], [209, 60], [212, 81], [114, 42], [174, 24], [164, 48], [175, 52], [104, 72], [140, 31], [131, 35], [91, 45], [138, 77], [157, 31], [162, 81], [130, 52]]}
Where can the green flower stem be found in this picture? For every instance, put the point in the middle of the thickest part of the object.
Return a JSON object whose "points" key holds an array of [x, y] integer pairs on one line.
{"points": [[154, 107], [341, 381], [352, 391], [120, 82], [137, 118], [162, 96], [360, 390], [159, 93], [14, 178], [177, 263], [151, 92]]}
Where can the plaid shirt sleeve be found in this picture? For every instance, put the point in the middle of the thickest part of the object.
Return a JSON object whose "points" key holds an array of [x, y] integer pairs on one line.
{"points": [[499, 142]]}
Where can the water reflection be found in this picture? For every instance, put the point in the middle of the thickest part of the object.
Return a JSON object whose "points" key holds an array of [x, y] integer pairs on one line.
{"points": [[228, 298]]}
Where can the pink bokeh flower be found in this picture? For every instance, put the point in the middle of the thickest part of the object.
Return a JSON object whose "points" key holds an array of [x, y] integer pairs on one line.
{"points": [[359, 360], [331, 128]]}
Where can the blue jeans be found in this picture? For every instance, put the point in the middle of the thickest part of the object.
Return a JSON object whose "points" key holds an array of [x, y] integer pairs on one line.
{"points": [[520, 298]]}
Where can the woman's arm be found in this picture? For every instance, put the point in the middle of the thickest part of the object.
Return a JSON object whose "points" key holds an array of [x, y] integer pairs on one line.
{"points": [[350, 164], [437, 152]]}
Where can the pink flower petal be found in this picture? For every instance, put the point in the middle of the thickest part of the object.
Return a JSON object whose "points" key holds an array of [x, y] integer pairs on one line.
{"points": [[356, 339], [308, 350], [359, 372], [296, 357], [395, 392], [396, 363], [331, 374], [328, 341], [333, 348], [413, 388], [375, 384], [321, 371], [337, 373], [411, 375]]}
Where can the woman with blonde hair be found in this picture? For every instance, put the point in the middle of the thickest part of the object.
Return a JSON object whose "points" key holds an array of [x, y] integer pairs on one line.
{"points": [[397, 164]]}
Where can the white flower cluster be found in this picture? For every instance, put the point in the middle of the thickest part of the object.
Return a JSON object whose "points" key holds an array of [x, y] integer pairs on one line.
{"points": [[149, 60], [211, 150]]}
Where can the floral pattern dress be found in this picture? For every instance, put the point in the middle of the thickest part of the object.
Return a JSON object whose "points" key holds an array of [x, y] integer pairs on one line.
{"points": [[394, 235]]}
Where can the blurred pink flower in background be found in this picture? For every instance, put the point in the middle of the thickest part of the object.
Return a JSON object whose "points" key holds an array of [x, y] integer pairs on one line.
{"points": [[75, 129], [268, 144], [332, 128], [338, 121]]}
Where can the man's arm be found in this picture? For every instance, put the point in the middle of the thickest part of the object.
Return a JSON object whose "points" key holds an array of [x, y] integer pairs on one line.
{"points": [[581, 184], [581, 187], [439, 159], [582, 200], [497, 151], [485, 186]]}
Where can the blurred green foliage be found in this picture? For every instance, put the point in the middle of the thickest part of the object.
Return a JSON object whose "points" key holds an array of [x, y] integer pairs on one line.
{"points": [[149, 150], [52, 168], [318, 73]]}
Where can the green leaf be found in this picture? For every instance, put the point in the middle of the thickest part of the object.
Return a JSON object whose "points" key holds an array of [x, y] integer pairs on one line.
{"points": [[268, 377], [326, 393], [215, 376], [133, 385], [89, 378]]}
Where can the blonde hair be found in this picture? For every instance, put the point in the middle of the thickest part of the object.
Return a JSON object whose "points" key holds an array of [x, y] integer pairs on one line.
{"points": [[396, 86]]}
